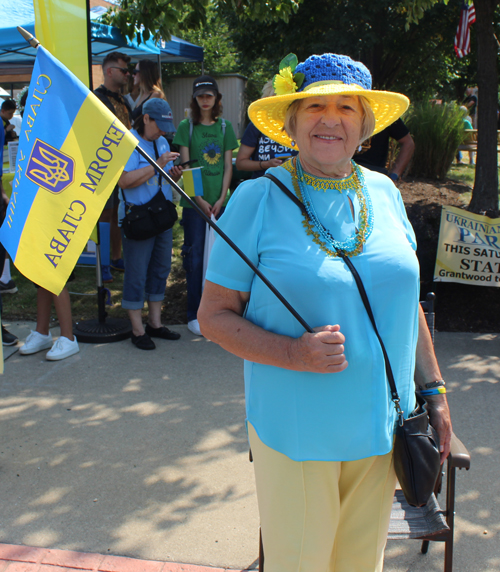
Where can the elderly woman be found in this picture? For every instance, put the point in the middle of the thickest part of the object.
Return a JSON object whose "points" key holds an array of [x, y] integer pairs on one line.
{"points": [[319, 412]]}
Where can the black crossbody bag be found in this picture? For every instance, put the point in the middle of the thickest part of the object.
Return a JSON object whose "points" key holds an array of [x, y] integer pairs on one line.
{"points": [[416, 444], [156, 216]]}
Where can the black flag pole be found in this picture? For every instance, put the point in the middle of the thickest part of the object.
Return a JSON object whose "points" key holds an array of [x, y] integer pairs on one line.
{"points": [[224, 236]]}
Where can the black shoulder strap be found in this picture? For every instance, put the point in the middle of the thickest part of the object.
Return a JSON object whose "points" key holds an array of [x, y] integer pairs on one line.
{"points": [[287, 192], [361, 289]]}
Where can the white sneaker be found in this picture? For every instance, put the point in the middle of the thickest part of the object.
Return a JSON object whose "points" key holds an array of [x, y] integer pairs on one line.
{"points": [[62, 349], [194, 326], [36, 342]]}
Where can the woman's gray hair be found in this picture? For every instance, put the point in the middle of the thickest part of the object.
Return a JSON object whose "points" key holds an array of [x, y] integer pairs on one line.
{"points": [[367, 125]]}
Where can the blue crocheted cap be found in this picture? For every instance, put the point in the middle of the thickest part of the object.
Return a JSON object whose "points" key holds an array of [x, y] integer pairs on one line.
{"points": [[332, 67]]}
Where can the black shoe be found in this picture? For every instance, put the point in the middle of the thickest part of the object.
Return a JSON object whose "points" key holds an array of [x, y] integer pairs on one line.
{"points": [[8, 339], [163, 333], [143, 342], [8, 287]]}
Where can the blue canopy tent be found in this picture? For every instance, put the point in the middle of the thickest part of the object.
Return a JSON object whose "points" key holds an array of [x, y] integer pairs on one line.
{"points": [[15, 51]]}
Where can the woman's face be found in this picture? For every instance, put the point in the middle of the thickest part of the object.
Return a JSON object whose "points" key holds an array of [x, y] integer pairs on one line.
{"points": [[206, 101], [327, 132], [151, 130], [137, 75]]}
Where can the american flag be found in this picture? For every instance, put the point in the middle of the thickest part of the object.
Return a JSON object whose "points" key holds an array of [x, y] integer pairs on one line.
{"points": [[462, 39]]}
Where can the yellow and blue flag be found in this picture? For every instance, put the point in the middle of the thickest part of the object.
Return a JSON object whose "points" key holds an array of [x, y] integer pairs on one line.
{"points": [[193, 184], [72, 150], [61, 27]]}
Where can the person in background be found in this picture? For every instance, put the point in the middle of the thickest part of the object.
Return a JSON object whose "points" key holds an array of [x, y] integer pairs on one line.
{"points": [[467, 125], [7, 110], [147, 262], [147, 77], [470, 103], [257, 152], [210, 140], [320, 418], [40, 338], [133, 91], [375, 157], [8, 339], [116, 76]]}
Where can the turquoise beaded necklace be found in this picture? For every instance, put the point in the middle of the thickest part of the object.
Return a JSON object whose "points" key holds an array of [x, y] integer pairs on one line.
{"points": [[352, 245]]}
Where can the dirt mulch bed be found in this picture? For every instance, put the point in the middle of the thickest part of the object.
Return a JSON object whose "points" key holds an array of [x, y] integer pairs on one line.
{"points": [[459, 307]]}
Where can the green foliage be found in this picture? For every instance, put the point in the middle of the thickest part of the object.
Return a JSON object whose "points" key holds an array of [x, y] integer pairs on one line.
{"points": [[437, 131], [419, 62], [220, 55], [141, 19]]}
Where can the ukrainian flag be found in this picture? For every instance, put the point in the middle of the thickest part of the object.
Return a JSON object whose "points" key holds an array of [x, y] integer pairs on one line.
{"points": [[72, 150], [193, 184]]}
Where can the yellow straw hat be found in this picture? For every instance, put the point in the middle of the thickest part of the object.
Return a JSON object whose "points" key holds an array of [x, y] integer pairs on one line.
{"points": [[329, 74]]}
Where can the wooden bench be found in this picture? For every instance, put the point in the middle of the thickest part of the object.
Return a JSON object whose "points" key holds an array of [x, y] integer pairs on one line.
{"points": [[470, 141]]}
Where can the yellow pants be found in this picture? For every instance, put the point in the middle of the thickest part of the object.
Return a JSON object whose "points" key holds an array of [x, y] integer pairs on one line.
{"points": [[320, 516]]}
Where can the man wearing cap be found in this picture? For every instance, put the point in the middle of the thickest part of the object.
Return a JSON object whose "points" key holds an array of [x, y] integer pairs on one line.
{"points": [[116, 74]]}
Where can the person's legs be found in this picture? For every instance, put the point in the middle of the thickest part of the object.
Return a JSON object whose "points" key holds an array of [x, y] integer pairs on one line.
{"points": [[43, 307], [322, 516], [137, 255], [62, 304], [159, 266], [192, 254], [366, 495]]}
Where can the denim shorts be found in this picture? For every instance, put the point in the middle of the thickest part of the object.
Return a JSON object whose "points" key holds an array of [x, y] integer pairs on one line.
{"points": [[147, 266]]}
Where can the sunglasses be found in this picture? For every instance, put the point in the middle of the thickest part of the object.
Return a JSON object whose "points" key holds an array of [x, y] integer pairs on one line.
{"points": [[123, 70], [135, 71]]}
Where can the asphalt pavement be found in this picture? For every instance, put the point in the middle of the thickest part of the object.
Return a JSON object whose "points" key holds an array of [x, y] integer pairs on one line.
{"points": [[143, 454]]}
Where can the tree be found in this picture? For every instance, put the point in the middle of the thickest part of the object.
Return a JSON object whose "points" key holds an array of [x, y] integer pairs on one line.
{"points": [[159, 19], [419, 62], [485, 193]]}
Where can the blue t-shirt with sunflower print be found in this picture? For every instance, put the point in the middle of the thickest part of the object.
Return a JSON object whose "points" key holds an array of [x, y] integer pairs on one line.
{"points": [[207, 145]]}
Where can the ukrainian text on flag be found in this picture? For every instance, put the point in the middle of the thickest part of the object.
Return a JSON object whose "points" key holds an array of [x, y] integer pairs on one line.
{"points": [[72, 151]]}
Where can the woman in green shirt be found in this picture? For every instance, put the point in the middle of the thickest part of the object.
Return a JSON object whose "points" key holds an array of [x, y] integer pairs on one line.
{"points": [[210, 140]]}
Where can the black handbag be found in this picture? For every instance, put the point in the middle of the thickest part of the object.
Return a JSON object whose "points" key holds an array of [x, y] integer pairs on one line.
{"points": [[156, 216], [416, 443]]}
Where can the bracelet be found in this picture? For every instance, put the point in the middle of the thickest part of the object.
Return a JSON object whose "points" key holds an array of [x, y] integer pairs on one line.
{"points": [[260, 165], [436, 391], [433, 384]]}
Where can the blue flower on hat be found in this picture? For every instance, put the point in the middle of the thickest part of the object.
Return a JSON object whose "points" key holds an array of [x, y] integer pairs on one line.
{"points": [[211, 153]]}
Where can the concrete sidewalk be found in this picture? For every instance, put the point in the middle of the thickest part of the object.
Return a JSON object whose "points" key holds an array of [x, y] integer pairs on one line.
{"points": [[144, 455]]}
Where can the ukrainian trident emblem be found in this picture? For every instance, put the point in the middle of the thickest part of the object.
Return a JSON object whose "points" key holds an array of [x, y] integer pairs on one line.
{"points": [[50, 168]]}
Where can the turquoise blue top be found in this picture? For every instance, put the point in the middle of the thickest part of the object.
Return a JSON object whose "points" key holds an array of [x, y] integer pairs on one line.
{"points": [[325, 417], [143, 193]]}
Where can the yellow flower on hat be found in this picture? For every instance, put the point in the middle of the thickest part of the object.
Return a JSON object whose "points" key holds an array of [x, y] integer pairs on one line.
{"points": [[284, 83]]}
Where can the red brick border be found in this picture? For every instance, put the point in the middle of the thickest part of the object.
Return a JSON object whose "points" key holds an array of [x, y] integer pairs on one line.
{"points": [[15, 558]]}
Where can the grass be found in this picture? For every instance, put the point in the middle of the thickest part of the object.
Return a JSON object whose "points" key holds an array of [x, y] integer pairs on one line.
{"points": [[83, 289], [465, 174]]}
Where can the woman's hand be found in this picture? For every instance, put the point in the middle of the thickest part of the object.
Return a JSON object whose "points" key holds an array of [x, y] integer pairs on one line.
{"points": [[166, 157], [320, 352], [439, 415], [217, 207], [271, 163], [176, 172], [205, 206]]}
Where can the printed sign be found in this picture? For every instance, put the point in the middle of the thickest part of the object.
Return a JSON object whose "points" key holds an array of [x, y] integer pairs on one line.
{"points": [[468, 248]]}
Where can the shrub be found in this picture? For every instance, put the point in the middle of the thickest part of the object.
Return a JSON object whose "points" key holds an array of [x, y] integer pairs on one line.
{"points": [[438, 130]]}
